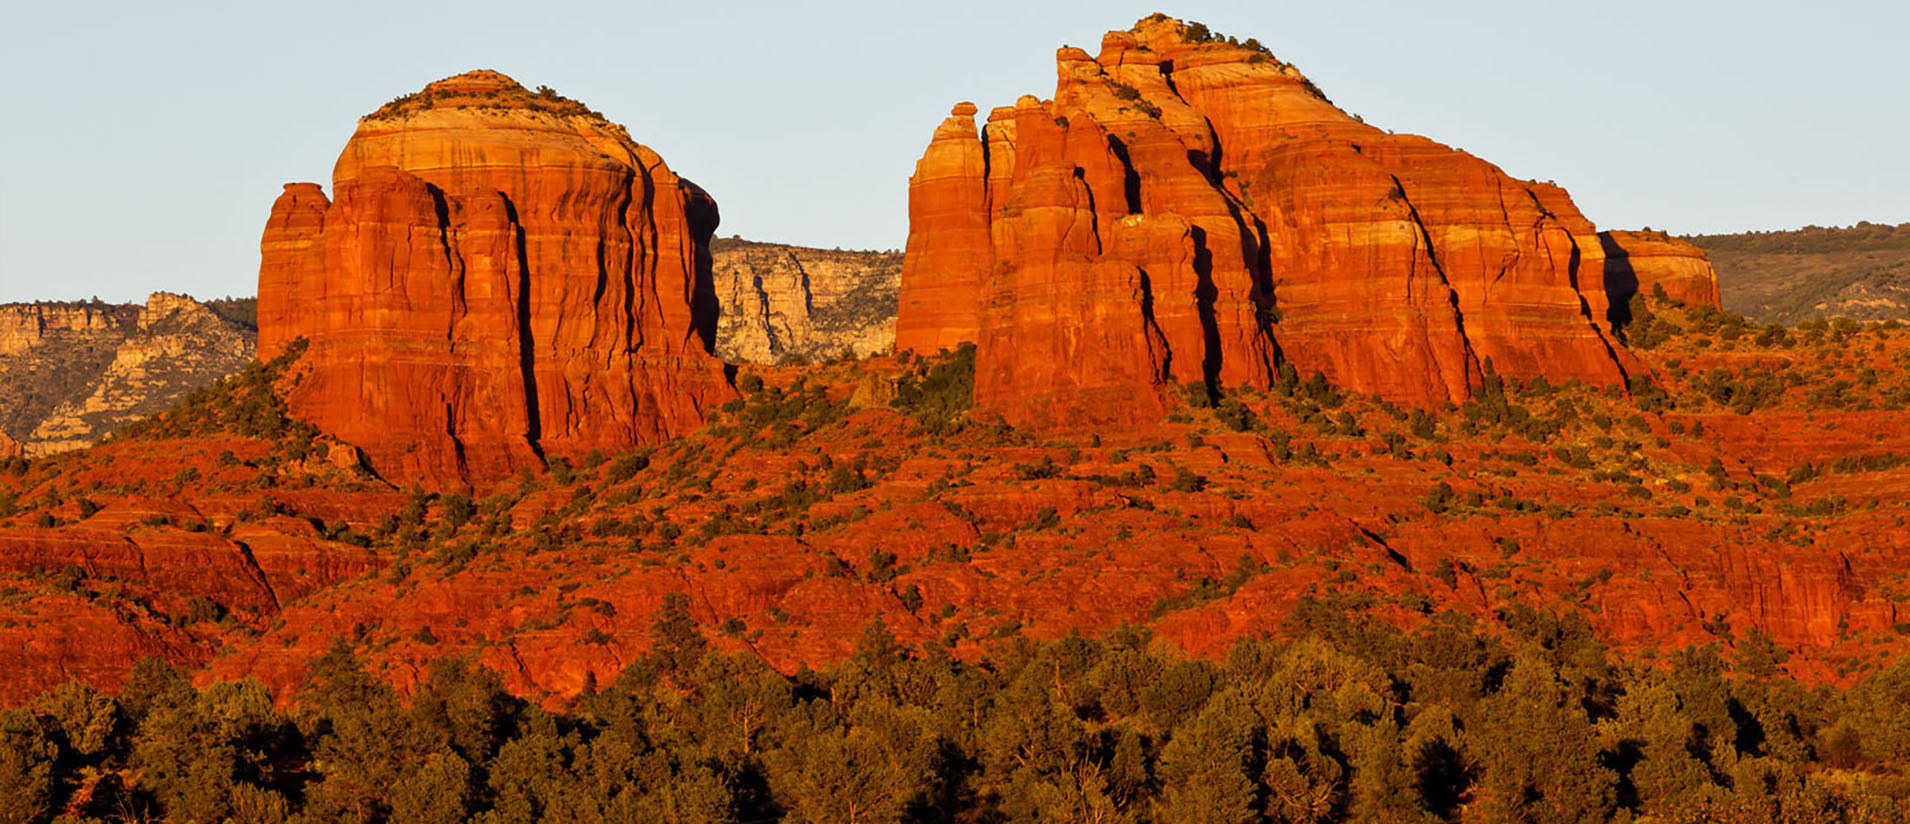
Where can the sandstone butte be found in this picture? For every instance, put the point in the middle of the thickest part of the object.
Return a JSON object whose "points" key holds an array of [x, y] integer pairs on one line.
{"points": [[500, 277], [1637, 261], [1190, 210]]}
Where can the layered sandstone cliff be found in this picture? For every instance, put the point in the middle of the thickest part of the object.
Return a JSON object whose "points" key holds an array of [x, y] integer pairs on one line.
{"points": [[178, 345], [781, 303], [72, 373], [1187, 209], [24, 326], [500, 276], [1636, 262]]}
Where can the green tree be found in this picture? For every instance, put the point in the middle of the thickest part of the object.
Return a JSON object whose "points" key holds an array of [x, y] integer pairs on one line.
{"points": [[439, 792], [1538, 751], [193, 749], [678, 644], [1204, 772], [26, 769], [850, 775], [88, 722]]}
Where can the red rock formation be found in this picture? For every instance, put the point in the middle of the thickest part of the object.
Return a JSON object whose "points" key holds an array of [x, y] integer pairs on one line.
{"points": [[948, 239], [1181, 211], [501, 277], [1637, 261], [9, 448]]}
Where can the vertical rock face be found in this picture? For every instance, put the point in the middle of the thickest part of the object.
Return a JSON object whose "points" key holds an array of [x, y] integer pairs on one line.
{"points": [[949, 253], [501, 276], [9, 448], [26, 325], [1637, 261], [1191, 210], [781, 302]]}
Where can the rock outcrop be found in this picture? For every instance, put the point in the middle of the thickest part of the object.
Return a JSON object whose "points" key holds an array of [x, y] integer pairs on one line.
{"points": [[501, 276], [72, 373], [178, 345], [1636, 262], [1191, 210], [783, 302], [9, 448], [24, 326]]}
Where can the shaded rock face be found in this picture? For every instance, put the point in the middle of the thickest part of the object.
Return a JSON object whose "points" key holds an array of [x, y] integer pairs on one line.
{"points": [[71, 374], [500, 277], [1636, 262], [1197, 211], [780, 302]]}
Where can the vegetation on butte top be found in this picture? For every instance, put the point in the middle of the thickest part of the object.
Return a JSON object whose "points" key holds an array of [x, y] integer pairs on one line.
{"points": [[484, 89]]}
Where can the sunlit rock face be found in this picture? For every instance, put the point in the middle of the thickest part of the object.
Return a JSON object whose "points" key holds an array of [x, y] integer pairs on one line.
{"points": [[1191, 210], [500, 277]]}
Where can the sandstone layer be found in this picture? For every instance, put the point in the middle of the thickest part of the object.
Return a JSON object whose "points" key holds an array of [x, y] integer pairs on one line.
{"points": [[1190, 210], [72, 373], [501, 276], [178, 345], [1638, 262], [24, 326], [781, 302]]}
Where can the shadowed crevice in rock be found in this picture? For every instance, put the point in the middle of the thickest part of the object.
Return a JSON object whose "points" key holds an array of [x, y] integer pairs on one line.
{"points": [[1232, 173], [1621, 281], [548, 210], [1204, 295], [1130, 178], [526, 338], [705, 309]]}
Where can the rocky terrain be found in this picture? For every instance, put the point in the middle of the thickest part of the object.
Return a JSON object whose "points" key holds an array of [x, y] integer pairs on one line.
{"points": [[1192, 210], [580, 313], [71, 374], [468, 441], [781, 302], [1861, 272], [1656, 263], [1750, 489], [1202, 432]]}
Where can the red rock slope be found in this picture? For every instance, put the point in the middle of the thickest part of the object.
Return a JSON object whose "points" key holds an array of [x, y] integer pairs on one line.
{"points": [[503, 276], [1187, 209]]}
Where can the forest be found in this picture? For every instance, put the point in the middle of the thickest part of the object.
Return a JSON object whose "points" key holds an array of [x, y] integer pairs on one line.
{"points": [[1340, 718]]}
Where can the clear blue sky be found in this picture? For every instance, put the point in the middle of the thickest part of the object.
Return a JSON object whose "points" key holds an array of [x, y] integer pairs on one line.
{"points": [[143, 143]]}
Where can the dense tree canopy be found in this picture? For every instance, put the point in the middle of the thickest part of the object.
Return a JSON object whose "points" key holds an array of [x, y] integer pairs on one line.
{"points": [[1349, 720]]}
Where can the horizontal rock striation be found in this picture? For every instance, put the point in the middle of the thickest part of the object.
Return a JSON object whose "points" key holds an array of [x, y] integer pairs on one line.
{"points": [[501, 276], [1188, 210], [1638, 262]]}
